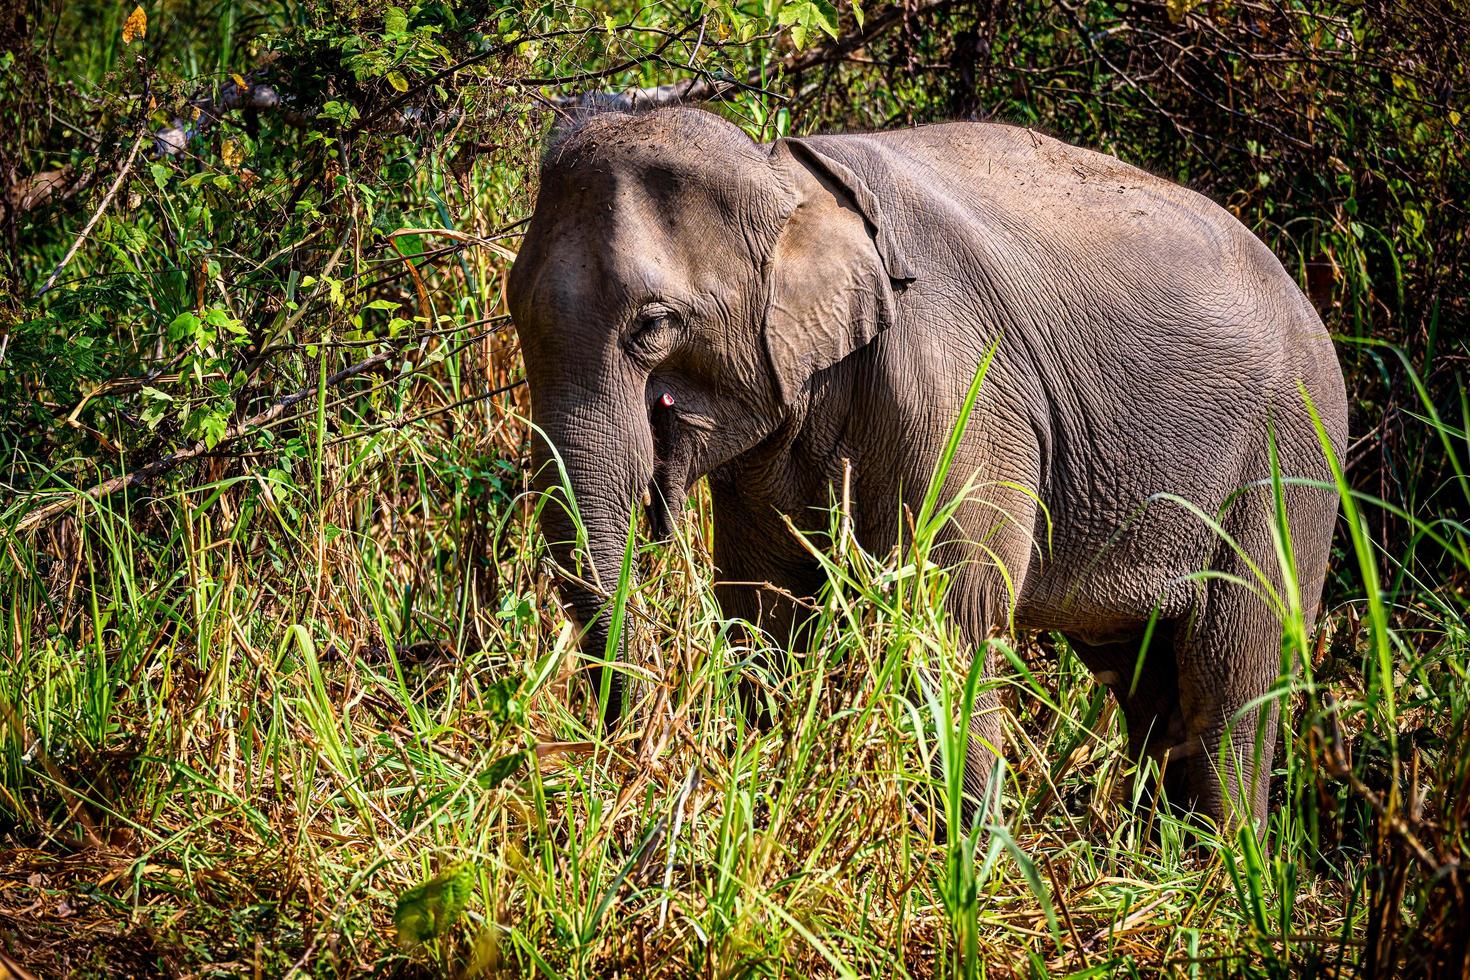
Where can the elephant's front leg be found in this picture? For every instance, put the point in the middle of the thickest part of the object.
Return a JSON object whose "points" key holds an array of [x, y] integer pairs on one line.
{"points": [[977, 605], [762, 578], [991, 566]]}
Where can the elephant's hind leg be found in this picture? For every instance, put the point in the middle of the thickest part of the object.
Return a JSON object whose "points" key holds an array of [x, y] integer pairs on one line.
{"points": [[1230, 652], [1145, 681], [1229, 660]]}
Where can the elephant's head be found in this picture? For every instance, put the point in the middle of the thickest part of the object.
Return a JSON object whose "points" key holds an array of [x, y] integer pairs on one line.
{"points": [[677, 288]]}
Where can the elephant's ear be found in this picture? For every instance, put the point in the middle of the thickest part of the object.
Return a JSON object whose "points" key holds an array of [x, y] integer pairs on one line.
{"points": [[832, 273]]}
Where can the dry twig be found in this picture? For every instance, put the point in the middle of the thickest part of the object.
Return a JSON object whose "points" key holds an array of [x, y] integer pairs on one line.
{"points": [[42, 515], [122, 175]]}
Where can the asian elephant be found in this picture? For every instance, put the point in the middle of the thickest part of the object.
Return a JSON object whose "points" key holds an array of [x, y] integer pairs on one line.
{"points": [[692, 303]]}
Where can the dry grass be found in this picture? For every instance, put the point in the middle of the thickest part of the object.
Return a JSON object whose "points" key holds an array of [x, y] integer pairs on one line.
{"points": [[237, 726]]}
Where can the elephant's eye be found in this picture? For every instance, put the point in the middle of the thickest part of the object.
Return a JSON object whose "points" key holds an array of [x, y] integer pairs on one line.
{"points": [[652, 331]]}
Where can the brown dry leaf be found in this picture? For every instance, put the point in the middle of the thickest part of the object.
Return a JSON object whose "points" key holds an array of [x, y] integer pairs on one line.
{"points": [[135, 26]]}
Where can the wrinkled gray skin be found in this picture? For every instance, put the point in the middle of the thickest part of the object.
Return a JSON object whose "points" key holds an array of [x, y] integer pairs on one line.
{"points": [[826, 299]]}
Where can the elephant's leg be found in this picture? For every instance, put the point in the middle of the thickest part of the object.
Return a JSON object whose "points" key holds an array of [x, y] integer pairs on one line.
{"points": [[984, 735], [1229, 657], [984, 748], [1229, 651], [774, 601], [1145, 682], [981, 600], [762, 580]]}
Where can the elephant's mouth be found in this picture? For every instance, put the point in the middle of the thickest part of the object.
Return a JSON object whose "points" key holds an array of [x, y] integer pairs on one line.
{"points": [[663, 503], [676, 435]]}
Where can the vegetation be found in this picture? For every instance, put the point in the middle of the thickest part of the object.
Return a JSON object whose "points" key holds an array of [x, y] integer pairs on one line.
{"points": [[285, 688]]}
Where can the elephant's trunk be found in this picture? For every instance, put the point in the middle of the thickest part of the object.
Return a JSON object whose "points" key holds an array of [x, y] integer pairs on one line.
{"points": [[605, 454]]}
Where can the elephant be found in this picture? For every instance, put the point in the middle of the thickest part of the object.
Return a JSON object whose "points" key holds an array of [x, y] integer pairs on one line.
{"points": [[778, 317]]}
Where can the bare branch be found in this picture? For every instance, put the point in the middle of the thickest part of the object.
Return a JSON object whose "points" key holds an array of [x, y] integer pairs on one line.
{"points": [[122, 175], [158, 467]]}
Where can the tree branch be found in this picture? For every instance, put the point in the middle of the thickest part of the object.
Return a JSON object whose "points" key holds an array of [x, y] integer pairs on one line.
{"points": [[704, 87], [161, 466], [122, 175]]}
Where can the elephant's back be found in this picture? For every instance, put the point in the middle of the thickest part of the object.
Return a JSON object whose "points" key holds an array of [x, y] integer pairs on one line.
{"points": [[1101, 254], [1088, 214]]}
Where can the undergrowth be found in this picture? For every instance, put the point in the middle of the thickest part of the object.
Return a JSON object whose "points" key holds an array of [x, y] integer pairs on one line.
{"points": [[241, 719]]}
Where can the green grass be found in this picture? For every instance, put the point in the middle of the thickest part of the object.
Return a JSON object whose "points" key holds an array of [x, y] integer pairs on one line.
{"points": [[237, 724]]}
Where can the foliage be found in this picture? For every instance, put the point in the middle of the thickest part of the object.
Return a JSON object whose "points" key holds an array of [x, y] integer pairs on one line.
{"points": [[430, 909], [253, 698]]}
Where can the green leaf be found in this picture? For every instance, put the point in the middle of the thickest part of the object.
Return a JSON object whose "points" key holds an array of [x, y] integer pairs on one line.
{"points": [[500, 770], [217, 317], [156, 406], [340, 112], [399, 83], [183, 326], [804, 16], [429, 909], [212, 426], [502, 702], [395, 23]]}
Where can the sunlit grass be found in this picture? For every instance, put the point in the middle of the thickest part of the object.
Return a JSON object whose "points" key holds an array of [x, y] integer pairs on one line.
{"points": [[242, 725]]}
